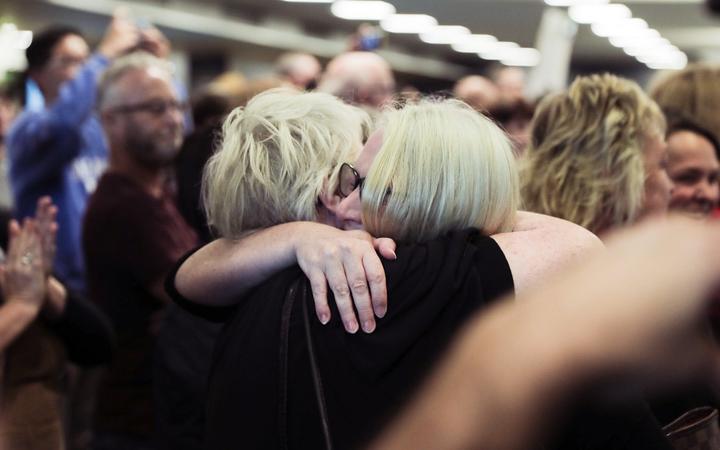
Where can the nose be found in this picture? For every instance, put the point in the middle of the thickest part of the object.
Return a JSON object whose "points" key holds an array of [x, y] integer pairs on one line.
{"points": [[349, 210]]}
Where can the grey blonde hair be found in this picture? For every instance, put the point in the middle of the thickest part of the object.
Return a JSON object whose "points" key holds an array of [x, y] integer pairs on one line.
{"points": [[585, 159], [139, 60], [442, 166], [275, 157]]}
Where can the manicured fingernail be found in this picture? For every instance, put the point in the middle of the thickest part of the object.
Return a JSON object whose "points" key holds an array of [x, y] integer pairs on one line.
{"points": [[369, 326], [352, 326], [324, 318], [394, 256], [381, 311]]}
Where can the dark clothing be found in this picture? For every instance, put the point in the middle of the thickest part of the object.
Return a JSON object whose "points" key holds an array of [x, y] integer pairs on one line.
{"points": [[197, 148], [33, 375], [433, 288], [182, 364], [131, 240]]}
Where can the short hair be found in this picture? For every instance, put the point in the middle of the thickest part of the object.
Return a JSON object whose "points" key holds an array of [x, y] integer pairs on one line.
{"points": [[136, 61], [691, 94], [689, 125], [40, 50], [585, 160], [276, 156], [442, 166]]}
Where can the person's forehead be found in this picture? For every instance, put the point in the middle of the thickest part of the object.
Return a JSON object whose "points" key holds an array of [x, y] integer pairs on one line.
{"points": [[686, 147], [146, 83], [71, 45]]}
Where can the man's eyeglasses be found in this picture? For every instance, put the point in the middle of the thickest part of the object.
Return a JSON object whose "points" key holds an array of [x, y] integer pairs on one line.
{"points": [[154, 107], [349, 180]]}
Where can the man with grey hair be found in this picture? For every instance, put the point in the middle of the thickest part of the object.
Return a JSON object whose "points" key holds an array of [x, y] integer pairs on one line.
{"points": [[360, 78], [133, 234]]}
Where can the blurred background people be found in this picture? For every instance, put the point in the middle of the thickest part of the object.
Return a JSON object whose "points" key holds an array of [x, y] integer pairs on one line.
{"points": [[56, 147], [694, 168], [478, 92], [359, 78], [42, 326], [597, 155], [301, 70], [132, 236]]}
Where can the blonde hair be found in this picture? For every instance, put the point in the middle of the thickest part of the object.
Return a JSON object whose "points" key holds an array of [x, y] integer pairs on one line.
{"points": [[442, 166], [585, 159], [274, 159]]}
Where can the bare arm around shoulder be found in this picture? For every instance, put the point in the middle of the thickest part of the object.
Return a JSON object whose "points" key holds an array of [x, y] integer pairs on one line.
{"points": [[540, 246], [222, 271]]}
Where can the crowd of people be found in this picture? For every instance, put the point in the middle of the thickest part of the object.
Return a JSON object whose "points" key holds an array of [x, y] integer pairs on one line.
{"points": [[312, 260]]}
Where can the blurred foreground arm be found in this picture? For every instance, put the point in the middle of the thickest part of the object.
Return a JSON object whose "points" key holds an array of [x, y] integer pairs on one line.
{"points": [[632, 313]]}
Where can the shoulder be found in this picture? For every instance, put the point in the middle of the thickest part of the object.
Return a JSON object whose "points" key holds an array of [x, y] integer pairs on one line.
{"points": [[543, 246]]}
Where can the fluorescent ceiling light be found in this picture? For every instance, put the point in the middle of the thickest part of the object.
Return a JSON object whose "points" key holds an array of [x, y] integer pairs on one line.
{"points": [[521, 57], [590, 13], [362, 9], [574, 2], [408, 23], [12, 38], [499, 50], [625, 28], [308, 1], [634, 38], [475, 43], [445, 34]]}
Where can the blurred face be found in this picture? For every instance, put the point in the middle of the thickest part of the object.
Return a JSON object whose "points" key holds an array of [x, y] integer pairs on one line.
{"points": [[349, 210], [658, 186], [693, 167], [67, 57], [146, 118]]}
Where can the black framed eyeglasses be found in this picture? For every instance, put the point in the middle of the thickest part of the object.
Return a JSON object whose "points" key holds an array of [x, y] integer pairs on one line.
{"points": [[154, 107], [349, 180]]}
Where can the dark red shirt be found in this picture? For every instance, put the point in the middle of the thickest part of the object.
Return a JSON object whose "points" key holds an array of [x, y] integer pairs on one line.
{"points": [[131, 240]]}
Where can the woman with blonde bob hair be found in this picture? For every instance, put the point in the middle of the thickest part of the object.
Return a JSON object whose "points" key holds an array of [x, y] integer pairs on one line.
{"points": [[437, 177], [597, 155], [424, 183]]}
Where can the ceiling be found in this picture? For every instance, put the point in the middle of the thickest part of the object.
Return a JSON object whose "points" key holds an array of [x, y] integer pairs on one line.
{"points": [[686, 23]]}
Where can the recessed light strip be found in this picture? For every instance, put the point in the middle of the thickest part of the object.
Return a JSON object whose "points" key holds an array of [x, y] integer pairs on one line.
{"points": [[615, 22]]}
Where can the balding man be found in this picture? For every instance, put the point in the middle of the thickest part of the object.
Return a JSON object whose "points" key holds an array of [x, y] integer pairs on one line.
{"points": [[302, 70], [359, 78], [133, 234], [478, 92]]}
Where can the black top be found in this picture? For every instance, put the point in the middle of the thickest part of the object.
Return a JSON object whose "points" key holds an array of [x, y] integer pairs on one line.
{"points": [[433, 288]]}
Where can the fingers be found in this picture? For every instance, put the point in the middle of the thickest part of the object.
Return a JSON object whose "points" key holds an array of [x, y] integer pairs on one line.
{"points": [[386, 247], [45, 217], [356, 279], [339, 285], [375, 274], [318, 284]]}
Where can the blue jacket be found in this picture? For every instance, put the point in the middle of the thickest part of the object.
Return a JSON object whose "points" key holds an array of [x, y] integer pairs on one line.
{"points": [[61, 151]]}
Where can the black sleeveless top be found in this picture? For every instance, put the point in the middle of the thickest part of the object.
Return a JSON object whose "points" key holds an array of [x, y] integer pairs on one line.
{"points": [[433, 288]]}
